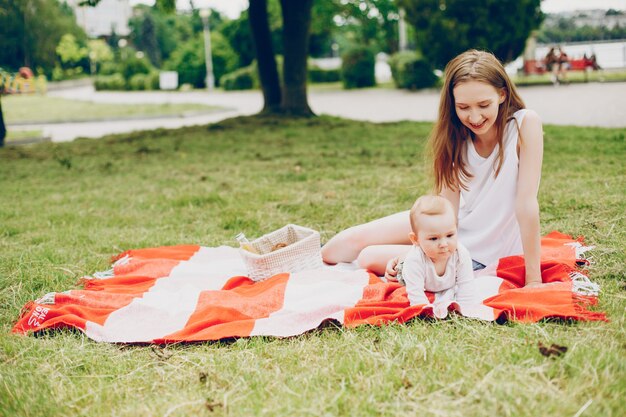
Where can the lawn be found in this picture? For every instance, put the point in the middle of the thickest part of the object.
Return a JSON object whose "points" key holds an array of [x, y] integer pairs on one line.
{"points": [[67, 208], [14, 136], [34, 108]]}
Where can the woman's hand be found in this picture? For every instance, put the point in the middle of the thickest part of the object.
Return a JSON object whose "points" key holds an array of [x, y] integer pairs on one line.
{"points": [[390, 270]]}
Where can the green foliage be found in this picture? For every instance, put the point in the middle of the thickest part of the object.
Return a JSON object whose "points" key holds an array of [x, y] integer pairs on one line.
{"points": [[357, 68], [369, 22], [144, 36], [157, 33], [132, 64], [443, 30], [241, 79], [188, 60], [109, 68], [319, 75], [59, 74], [322, 27], [411, 71], [70, 52], [31, 31], [224, 57], [237, 33], [100, 53], [138, 82], [152, 80], [566, 30], [110, 82], [71, 55]]}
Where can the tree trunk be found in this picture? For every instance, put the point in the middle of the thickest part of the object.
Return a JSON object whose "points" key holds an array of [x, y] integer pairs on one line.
{"points": [[3, 128], [268, 74], [296, 23]]}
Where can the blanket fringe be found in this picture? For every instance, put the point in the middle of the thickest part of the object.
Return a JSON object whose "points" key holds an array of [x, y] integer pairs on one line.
{"points": [[122, 260], [48, 299], [581, 304], [110, 273], [581, 250], [582, 285]]}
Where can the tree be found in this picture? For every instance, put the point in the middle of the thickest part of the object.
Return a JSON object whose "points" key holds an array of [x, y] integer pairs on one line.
{"points": [[70, 52], [31, 30], [322, 27], [188, 60], [3, 128], [371, 22], [144, 36], [446, 28], [268, 73], [99, 53], [291, 97]]}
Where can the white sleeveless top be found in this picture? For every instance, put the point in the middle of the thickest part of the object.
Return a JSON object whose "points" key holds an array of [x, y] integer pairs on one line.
{"points": [[487, 223]]}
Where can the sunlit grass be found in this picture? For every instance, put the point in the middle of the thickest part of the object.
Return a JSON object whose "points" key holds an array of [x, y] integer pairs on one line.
{"points": [[66, 208], [43, 109], [14, 135]]}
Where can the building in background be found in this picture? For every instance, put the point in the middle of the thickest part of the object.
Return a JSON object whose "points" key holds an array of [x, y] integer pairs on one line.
{"points": [[107, 17]]}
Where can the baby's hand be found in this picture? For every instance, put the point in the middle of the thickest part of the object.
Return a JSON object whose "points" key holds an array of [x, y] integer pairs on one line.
{"points": [[391, 271]]}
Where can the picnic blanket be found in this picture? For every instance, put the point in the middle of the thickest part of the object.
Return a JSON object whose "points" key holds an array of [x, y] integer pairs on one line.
{"points": [[192, 293]]}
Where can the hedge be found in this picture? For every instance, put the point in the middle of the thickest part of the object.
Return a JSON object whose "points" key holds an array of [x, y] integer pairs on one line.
{"points": [[357, 68], [411, 71]]}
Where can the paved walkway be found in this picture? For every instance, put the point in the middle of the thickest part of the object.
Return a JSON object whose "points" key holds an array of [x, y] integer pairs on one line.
{"points": [[591, 104]]}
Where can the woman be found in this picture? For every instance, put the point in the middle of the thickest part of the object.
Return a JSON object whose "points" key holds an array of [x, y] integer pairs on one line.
{"points": [[487, 153]]}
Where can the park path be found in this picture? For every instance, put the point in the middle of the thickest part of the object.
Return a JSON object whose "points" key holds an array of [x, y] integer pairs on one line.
{"points": [[593, 104]]}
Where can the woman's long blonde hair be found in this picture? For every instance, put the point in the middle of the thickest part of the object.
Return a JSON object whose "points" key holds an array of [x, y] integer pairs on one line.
{"points": [[449, 136]]}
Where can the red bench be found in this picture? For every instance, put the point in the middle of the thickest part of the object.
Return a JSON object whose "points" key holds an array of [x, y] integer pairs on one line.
{"points": [[538, 66]]}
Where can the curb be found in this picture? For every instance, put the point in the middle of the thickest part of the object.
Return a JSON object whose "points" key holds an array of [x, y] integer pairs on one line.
{"points": [[184, 115], [28, 141]]}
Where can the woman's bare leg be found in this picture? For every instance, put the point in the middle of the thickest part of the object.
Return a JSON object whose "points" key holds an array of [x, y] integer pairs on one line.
{"points": [[374, 258], [348, 244]]}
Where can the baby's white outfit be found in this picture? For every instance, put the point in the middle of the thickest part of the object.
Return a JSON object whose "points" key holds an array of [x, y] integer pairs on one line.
{"points": [[419, 275]]}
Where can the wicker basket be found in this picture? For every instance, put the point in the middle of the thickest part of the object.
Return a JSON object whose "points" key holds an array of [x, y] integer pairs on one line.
{"points": [[302, 251]]}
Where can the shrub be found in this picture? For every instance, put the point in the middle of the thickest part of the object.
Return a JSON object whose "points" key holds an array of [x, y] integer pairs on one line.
{"points": [[109, 68], [357, 68], [319, 75], [137, 82], [110, 82], [411, 71], [188, 60], [152, 81], [133, 65], [241, 79]]}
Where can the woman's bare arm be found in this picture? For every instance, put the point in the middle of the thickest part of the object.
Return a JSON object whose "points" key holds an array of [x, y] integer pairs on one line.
{"points": [[526, 204]]}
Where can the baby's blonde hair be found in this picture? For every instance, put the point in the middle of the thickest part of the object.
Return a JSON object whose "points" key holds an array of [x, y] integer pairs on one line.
{"points": [[429, 205]]}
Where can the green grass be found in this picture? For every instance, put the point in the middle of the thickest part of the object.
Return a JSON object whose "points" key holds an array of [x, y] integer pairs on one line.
{"points": [[18, 135], [66, 208], [43, 109]]}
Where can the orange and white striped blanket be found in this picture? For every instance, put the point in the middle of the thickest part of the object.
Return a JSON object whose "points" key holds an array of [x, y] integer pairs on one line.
{"points": [[193, 293]]}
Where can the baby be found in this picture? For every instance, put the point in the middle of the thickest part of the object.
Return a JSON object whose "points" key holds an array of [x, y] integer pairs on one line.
{"points": [[437, 261]]}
